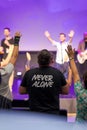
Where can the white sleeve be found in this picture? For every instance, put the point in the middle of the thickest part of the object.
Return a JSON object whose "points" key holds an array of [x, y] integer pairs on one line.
{"points": [[55, 43]]}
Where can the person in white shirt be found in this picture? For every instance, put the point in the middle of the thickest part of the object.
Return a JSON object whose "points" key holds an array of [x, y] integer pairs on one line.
{"points": [[61, 55]]}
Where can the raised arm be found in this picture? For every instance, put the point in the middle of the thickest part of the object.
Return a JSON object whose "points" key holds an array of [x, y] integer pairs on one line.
{"points": [[65, 89], [73, 66], [16, 48], [47, 34], [27, 65], [71, 34]]}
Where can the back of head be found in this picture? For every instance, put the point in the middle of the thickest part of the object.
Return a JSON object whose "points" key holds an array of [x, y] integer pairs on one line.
{"points": [[45, 58], [85, 80]]}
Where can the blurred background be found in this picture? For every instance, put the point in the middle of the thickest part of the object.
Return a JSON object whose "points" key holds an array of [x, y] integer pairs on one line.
{"points": [[33, 17]]}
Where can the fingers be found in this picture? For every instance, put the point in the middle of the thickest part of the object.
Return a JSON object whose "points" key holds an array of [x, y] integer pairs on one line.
{"points": [[47, 34], [27, 67], [71, 34], [70, 52], [18, 34], [28, 56]]}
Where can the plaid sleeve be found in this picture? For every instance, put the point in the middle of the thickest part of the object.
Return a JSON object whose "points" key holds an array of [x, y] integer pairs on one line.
{"points": [[80, 91]]}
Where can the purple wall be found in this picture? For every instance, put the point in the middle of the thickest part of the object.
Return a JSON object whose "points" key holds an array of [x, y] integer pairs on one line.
{"points": [[33, 17]]}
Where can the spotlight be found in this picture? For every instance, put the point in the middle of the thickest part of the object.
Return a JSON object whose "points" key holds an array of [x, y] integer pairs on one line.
{"points": [[19, 73]]}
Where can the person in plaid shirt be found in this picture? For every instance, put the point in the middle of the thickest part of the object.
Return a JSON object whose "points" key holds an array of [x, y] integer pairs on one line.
{"points": [[79, 86]]}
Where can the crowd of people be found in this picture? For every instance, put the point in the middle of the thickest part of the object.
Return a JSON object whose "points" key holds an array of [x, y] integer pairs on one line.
{"points": [[44, 83]]}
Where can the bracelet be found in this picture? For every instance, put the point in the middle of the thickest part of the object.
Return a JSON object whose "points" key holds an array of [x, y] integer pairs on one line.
{"points": [[71, 58], [16, 40]]}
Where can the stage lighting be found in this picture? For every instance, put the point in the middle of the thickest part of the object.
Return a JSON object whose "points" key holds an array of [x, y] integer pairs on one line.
{"points": [[19, 73]]}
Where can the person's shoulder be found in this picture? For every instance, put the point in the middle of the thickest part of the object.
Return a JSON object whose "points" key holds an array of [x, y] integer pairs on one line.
{"points": [[32, 70], [9, 65], [66, 43], [8, 68], [56, 42], [2, 41], [55, 69]]}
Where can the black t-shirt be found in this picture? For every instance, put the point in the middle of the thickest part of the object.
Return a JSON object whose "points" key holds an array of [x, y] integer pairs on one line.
{"points": [[85, 45], [44, 86], [5, 47]]}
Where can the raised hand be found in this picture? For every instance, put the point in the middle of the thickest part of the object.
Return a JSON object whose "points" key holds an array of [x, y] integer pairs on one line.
{"points": [[28, 56], [71, 34], [27, 66], [17, 38], [47, 34], [18, 34], [70, 52]]}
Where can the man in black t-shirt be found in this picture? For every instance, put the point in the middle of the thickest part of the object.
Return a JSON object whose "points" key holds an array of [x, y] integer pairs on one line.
{"points": [[4, 49], [7, 41], [44, 84]]}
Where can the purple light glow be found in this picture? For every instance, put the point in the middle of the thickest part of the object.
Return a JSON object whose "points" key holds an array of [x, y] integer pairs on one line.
{"points": [[33, 17]]}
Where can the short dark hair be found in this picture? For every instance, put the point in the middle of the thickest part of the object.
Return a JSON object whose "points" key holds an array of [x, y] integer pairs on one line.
{"points": [[44, 57], [85, 79], [7, 28], [63, 34]]}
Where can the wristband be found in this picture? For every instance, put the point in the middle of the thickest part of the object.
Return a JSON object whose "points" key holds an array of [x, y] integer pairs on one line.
{"points": [[70, 58], [16, 40]]}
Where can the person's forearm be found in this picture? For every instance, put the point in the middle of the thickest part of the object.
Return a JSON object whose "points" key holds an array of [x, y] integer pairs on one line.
{"points": [[69, 79], [70, 40], [50, 39], [16, 48], [14, 55], [74, 70]]}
